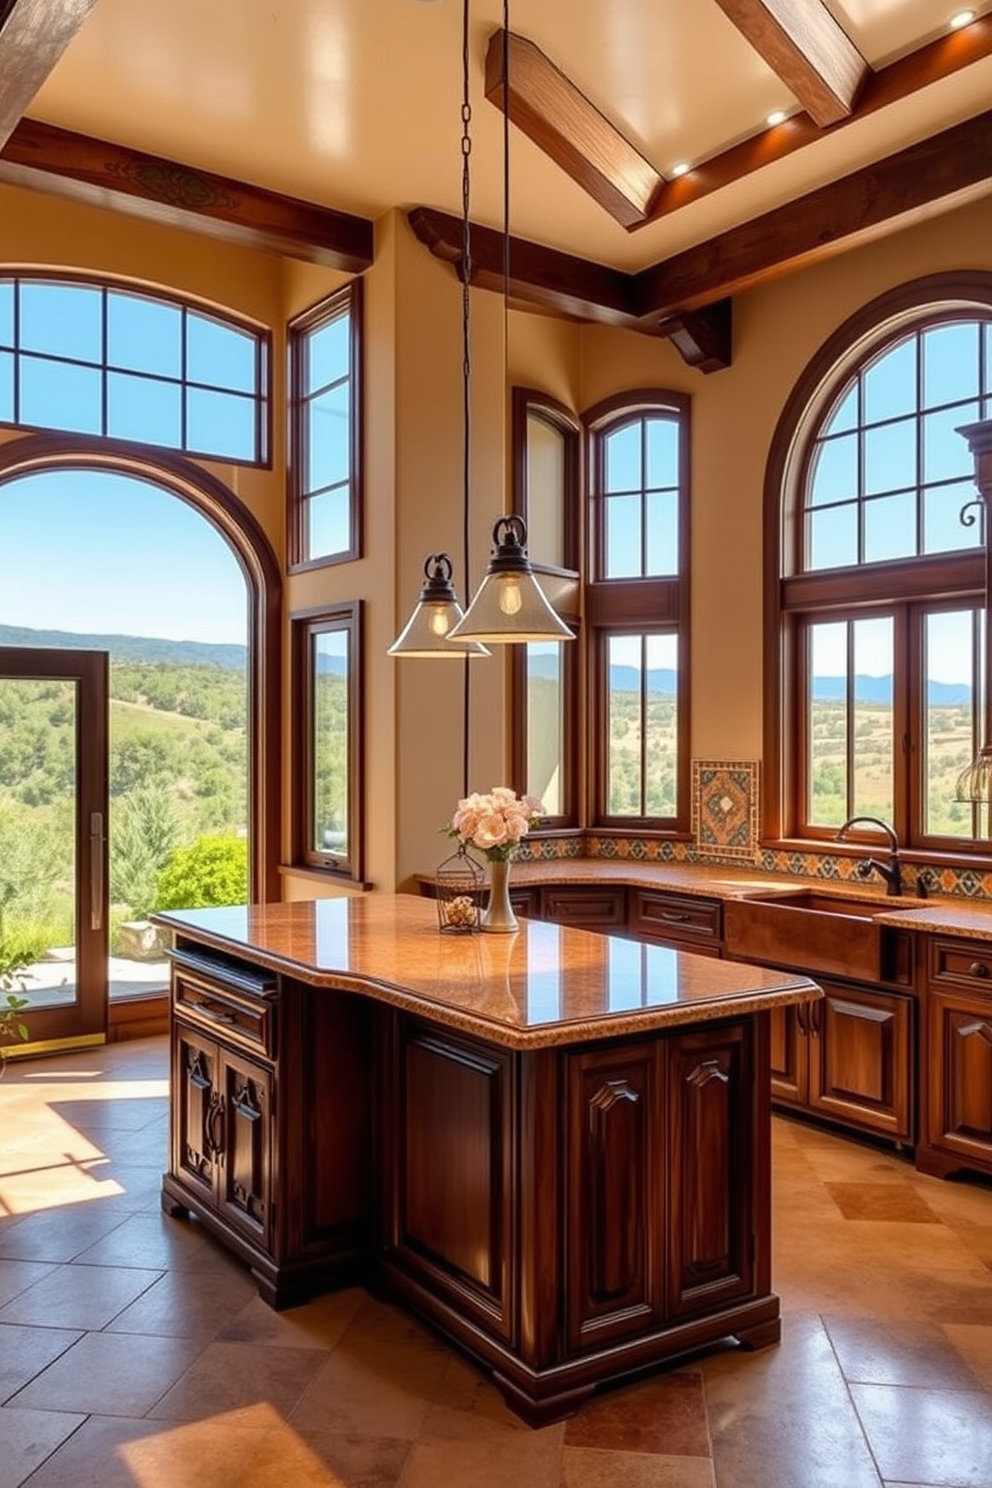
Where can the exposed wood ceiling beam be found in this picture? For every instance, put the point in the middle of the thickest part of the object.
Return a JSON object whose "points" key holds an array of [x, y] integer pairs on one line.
{"points": [[33, 36], [55, 160], [551, 111], [703, 338], [803, 44], [944, 170]]}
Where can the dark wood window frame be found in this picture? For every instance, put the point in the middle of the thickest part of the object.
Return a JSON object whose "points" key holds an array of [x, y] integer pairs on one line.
{"points": [[261, 399], [907, 588], [636, 606], [305, 624], [348, 300], [562, 585]]}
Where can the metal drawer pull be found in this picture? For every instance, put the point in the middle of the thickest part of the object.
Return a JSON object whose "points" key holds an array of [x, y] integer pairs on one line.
{"points": [[214, 1014], [673, 914], [978, 969]]}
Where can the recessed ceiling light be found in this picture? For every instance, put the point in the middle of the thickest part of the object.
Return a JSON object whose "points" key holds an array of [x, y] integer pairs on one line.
{"points": [[962, 18], [778, 116], [680, 169]]}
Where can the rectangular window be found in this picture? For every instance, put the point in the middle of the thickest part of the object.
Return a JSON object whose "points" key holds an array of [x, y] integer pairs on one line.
{"points": [[325, 440], [641, 691], [328, 795], [850, 726], [953, 646]]}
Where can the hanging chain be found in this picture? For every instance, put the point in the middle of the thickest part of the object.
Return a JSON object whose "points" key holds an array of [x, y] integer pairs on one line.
{"points": [[466, 374]]}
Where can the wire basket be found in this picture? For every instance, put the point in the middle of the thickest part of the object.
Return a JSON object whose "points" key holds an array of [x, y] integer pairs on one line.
{"points": [[460, 889]]}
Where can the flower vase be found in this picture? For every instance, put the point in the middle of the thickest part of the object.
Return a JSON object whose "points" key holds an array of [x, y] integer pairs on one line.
{"points": [[498, 916]]}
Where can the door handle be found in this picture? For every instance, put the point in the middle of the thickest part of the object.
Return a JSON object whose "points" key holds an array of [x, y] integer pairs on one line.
{"points": [[96, 870]]}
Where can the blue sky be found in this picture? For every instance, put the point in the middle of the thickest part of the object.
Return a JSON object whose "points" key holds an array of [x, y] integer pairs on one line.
{"points": [[90, 551]]}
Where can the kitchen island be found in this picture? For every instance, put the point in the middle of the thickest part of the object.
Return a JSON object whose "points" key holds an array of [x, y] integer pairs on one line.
{"points": [[553, 1145]]}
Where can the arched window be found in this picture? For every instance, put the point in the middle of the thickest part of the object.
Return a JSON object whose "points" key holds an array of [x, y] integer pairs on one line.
{"points": [[876, 601], [119, 362]]}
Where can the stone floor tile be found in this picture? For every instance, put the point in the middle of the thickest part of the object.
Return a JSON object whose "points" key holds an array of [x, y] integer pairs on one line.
{"points": [[935, 1437], [583, 1467], [231, 1379], [885, 1201], [529, 1459], [29, 1437], [894, 1352], [109, 1374], [320, 1324], [663, 1414], [78, 1296], [188, 1304], [25, 1352]]}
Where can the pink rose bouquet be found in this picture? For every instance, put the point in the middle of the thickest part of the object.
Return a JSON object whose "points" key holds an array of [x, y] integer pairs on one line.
{"points": [[494, 823]]}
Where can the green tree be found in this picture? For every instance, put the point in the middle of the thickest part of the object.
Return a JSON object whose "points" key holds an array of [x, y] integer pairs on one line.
{"points": [[211, 870], [144, 830]]}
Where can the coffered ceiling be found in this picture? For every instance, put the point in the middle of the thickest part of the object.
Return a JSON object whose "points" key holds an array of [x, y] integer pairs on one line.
{"points": [[352, 107]]}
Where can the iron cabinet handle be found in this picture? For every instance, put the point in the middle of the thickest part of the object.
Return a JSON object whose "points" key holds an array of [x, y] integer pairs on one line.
{"points": [[672, 914], [978, 969]]}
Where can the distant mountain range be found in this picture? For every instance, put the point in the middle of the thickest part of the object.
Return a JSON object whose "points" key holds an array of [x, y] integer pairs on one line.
{"points": [[130, 648], [661, 682]]}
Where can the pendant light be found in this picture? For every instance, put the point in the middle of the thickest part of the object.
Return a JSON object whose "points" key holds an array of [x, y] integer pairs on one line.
{"points": [[509, 605], [435, 615], [974, 784]]}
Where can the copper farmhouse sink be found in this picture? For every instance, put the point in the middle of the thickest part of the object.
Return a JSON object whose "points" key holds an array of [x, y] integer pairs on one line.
{"points": [[808, 930]]}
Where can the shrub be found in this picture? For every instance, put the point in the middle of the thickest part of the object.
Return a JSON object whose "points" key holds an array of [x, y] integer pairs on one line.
{"points": [[211, 870]]}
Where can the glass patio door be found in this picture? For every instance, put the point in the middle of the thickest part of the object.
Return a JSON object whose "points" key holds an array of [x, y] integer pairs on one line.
{"points": [[53, 840]]}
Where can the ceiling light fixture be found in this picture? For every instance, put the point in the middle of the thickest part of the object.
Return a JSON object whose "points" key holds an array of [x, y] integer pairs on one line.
{"points": [[962, 18], [974, 784], [509, 605], [681, 169], [777, 116]]}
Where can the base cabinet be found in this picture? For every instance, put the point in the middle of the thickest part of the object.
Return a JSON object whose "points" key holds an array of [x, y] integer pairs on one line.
{"points": [[849, 1057], [570, 1215], [958, 1098]]}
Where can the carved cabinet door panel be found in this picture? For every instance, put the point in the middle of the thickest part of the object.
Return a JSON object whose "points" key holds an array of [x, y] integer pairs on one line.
{"points": [[244, 1173], [196, 1111], [614, 1178], [859, 1057], [960, 1073], [789, 1027], [711, 1132]]}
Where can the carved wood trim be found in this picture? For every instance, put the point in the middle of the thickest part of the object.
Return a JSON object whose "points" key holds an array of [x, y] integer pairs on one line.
{"points": [[803, 44], [548, 107], [46, 158], [703, 338], [33, 36]]}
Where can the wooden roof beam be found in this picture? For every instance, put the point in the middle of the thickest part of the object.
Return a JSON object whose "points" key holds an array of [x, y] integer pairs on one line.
{"points": [[45, 158], [33, 36], [561, 121], [804, 46]]}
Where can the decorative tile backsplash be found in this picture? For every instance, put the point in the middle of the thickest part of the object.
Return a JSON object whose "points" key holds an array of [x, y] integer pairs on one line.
{"points": [[725, 819]]}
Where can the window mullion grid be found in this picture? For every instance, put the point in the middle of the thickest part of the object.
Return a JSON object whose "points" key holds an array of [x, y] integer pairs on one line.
{"points": [[644, 726], [861, 468], [105, 364], [16, 338], [849, 718], [644, 496], [184, 363], [919, 443]]}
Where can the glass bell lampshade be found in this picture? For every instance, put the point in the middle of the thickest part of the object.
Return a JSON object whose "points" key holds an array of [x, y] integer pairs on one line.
{"points": [[510, 604], [974, 784], [427, 633]]}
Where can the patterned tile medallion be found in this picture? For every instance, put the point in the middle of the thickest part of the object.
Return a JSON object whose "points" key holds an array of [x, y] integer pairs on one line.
{"points": [[725, 809]]}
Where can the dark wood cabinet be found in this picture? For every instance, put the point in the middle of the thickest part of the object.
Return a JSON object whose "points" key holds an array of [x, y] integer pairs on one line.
{"points": [[256, 1152], [849, 1058], [587, 906], [687, 921], [559, 1211], [957, 1102]]}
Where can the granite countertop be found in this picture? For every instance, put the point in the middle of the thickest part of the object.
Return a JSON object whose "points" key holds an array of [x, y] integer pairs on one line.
{"points": [[544, 985], [971, 919]]}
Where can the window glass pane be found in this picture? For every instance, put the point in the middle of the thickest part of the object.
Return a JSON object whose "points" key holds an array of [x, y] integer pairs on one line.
{"points": [[220, 424], [890, 383], [144, 335], [328, 352], [329, 687], [988, 358], [623, 537], [662, 452], [890, 528], [623, 459], [890, 457], [845, 414], [219, 356], [623, 720], [872, 717], [951, 731], [663, 534], [834, 471], [832, 537], [945, 454], [328, 438], [62, 320], [943, 529], [661, 734], [545, 491], [328, 525], [826, 725], [546, 726], [950, 364], [6, 387], [144, 409], [7, 313], [58, 395]]}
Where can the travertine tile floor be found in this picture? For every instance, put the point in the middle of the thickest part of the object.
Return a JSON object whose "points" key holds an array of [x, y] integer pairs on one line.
{"points": [[135, 1354]]}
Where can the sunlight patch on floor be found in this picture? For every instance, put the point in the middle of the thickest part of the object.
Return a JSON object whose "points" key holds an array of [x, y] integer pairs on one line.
{"points": [[254, 1443]]}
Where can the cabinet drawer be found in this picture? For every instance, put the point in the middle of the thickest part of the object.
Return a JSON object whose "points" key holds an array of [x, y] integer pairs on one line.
{"points": [[590, 908], [237, 1008], [961, 963], [675, 917]]}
